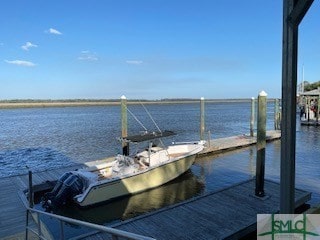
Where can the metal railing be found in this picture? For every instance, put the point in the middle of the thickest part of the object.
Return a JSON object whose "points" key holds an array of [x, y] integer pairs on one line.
{"points": [[115, 233]]}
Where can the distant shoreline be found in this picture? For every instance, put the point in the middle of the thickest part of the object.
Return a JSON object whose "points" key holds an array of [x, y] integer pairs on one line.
{"points": [[7, 104]]}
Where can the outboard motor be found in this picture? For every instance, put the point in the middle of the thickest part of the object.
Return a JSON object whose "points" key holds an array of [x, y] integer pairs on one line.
{"points": [[68, 186], [57, 187]]}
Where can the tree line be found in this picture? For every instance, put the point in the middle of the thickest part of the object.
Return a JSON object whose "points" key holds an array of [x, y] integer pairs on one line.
{"points": [[311, 86]]}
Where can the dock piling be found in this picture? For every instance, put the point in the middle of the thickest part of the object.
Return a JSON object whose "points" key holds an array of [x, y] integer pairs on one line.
{"points": [[308, 109], [277, 116], [318, 106], [261, 144], [252, 118], [124, 125], [30, 198], [202, 122], [30, 192], [209, 139]]}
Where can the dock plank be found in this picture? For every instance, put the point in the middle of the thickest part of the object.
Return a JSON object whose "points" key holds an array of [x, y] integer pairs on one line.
{"points": [[229, 143], [12, 214], [229, 213]]}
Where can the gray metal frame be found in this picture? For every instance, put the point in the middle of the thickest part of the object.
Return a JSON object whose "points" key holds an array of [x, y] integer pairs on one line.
{"points": [[115, 233], [293, 13]]}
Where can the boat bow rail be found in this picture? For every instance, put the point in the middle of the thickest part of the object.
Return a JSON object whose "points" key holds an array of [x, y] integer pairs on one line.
{"points": [[201, 142]]}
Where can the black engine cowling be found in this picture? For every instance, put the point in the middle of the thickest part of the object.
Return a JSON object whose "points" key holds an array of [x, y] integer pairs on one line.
{"points": [[68, 186]]}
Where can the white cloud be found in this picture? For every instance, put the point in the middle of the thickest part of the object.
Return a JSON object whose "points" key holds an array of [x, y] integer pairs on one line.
{"points": [[53, 31], [21, 63], [88, 56], [28, 45], [134, 62]]}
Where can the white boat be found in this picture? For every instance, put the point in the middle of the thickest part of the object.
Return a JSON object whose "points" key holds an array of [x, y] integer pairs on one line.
{"points": [[146, 169]]}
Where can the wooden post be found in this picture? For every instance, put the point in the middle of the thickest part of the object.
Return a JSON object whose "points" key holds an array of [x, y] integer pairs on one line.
{"points": [[124, 125], [209, 139], [261, 143], [318, 106], [252, 118], [202, 122], [279, 116], [276, 114], [308, 109], [279, 121], [30, 189]]}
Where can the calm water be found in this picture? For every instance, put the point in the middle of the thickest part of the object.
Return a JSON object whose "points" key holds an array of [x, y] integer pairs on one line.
{"points": [[44, 138]]}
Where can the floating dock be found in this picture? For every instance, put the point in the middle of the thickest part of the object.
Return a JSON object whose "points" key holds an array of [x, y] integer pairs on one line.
{"points": [[13, 215], [227, 214], [230, 143], [311, 122]]}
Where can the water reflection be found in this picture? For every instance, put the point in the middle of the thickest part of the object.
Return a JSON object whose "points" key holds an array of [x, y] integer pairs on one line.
{"points": [[218, 173]]}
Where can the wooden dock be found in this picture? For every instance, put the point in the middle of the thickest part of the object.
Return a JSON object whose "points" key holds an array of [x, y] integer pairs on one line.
{"points": [[234, 142], [12, 214], [227, 214], [312, 122]]}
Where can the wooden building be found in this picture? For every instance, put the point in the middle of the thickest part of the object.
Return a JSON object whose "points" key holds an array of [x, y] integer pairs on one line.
{"points": [[309, 104]]}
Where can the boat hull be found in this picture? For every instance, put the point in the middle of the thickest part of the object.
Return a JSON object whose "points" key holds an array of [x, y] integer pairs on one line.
{"points": [[141, 181]]}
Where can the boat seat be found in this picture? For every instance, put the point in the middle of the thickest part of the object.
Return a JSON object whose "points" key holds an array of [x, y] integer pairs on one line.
{"points": [[105, 173]]}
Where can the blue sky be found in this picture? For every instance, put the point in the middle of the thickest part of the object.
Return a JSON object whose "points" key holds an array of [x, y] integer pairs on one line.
{"points": [[148, 49]]}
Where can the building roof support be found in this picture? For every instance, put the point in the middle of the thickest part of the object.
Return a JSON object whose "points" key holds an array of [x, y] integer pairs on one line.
{"points": [[299, 11], [293, 13]]}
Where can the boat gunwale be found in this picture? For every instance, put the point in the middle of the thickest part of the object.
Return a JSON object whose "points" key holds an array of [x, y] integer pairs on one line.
{"points": [[111, 181]]}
